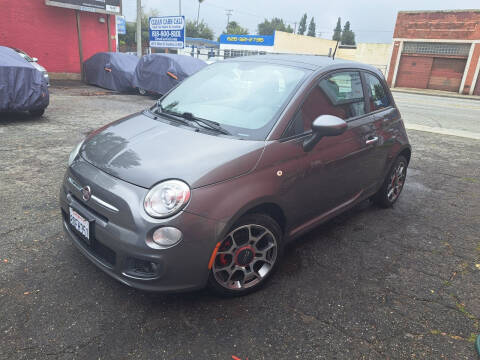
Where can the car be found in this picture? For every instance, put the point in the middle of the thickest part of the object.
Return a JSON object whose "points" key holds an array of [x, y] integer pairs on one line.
{"points": [[22, 86], [208, 186], [34, 62], [155, 74], [111, 70]]}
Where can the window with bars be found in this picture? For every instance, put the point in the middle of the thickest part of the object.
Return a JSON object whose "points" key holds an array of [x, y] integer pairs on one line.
{"points": [[433, 48]]}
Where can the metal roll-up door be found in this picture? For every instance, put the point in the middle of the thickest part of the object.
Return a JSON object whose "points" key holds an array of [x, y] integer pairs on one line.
{"points": [[446, 74], [432, 65], [413, 71]]}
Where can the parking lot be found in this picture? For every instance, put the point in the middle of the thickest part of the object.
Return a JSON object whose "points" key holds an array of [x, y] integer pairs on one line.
{"points": [[401, 283]]}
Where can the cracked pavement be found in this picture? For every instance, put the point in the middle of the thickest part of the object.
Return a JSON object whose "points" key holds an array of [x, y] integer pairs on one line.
{"points": [[401, 283]]}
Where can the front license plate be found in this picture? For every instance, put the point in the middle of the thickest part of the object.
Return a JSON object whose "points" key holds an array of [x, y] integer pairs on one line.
{"points": [[80, 224]]}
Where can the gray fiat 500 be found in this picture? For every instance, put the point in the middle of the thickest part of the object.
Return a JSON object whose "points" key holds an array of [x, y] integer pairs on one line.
{"points": [[208, 186]]}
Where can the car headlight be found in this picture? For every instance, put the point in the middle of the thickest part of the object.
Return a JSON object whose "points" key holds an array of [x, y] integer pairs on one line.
{"points": [[166, 198], [74, 153]]}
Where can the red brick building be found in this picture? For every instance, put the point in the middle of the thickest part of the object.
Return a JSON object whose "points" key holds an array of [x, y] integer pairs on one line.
{"points": [[50, 34], [436, 50]]}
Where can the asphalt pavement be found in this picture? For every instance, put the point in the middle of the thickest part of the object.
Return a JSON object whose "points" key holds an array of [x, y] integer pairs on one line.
{"points": [[401, 283]]}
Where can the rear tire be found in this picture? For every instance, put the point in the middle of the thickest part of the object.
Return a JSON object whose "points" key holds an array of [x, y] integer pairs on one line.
{"points": [[248, 256], [37, 113], [393, 184]]}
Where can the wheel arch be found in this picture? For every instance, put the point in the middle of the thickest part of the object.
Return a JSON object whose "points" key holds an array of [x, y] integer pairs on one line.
{"points": [[407, 153], [271, 209], [261, 206]]}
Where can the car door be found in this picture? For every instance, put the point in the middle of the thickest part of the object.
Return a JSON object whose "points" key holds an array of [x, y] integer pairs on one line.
{"points": [[382, 114], [333, 173]]}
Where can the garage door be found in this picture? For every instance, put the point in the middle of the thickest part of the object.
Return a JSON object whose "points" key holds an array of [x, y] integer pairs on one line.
{"points": [[414, 71], [446, 74]]}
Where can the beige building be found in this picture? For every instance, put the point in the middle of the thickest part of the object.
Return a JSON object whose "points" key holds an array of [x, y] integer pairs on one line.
{"points": [[369, 53], [301, 44]]}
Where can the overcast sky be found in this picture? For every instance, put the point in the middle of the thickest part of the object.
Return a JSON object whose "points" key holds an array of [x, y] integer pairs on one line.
{"points": [[372, 20]]}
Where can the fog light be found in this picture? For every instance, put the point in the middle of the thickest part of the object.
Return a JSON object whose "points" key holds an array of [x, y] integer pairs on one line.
{"points": [[165, 237]]}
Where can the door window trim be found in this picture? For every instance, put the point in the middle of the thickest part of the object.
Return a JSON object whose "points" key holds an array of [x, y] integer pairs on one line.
{"points": [[367, 92], [317, 81]]}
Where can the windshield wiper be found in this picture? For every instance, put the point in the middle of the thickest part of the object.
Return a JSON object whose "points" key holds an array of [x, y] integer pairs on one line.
{"points": [[171, 115], [209, 124], [205, 123]]}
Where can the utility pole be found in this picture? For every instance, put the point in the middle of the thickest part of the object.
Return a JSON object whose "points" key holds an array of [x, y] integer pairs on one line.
{"points": [[180, 7], [139, 28], [228, 12], [295, 28]]}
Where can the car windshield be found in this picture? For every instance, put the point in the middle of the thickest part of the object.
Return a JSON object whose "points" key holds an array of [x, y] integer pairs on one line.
{"points": [[24, 55], [243, 97]]}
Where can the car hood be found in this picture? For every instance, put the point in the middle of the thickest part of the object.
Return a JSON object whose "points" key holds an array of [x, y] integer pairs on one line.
{"points": [[38, 67], [145, 151]]}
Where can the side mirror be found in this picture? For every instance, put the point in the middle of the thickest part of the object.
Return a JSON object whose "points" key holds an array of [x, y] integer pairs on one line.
{"points": [[34, 59], [324, 125]]}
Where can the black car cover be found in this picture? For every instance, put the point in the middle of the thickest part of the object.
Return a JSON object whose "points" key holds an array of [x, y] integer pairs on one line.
{"points": [[158, 73], [22, 87], [109, 70]]}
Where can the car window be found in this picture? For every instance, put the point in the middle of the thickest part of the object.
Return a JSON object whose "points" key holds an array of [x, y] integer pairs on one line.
{"points": [[340, 94], [243, 97], [378, 94]]}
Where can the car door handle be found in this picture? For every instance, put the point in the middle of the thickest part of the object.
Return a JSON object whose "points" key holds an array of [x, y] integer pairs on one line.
{"points": [[372, 140]]}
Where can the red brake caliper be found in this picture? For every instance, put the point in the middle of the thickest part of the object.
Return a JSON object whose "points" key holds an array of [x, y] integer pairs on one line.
{"points": [[226, 245], [223, 259]]}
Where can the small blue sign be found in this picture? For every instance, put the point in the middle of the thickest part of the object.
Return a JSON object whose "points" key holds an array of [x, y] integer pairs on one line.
{"points": [[121, 25], [259, 40], [167, 32]]}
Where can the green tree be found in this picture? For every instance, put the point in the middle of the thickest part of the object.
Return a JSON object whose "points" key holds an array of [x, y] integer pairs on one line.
{"points": [[348, 36], [302, 26], [200, 30], [337, 32], [311, 28], [268, 27], [234, 28]]}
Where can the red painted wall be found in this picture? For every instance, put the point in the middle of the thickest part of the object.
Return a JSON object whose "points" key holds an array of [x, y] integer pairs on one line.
{"points": [[50, 33]]}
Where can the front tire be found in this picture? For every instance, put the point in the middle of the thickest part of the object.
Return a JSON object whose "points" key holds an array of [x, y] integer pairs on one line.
{"points": [[247, 257], [393, 184]]}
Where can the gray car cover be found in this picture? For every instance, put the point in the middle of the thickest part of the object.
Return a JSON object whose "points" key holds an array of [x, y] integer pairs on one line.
{"points": [[22, 87], [158, 73], [109, 70]]}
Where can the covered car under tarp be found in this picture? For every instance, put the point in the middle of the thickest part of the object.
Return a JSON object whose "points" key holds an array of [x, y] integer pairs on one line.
{"points": [[158, 73], [22, 87], [109, 70]]}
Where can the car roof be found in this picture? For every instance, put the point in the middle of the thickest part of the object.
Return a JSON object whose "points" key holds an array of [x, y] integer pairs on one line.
{"points": [[311, 62]]}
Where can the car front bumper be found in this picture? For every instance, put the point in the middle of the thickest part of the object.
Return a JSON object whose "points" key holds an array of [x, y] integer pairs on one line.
{"points": [[119, 237]]}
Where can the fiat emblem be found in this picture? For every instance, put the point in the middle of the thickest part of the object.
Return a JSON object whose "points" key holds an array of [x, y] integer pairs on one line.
{"points": [[86, 193]]}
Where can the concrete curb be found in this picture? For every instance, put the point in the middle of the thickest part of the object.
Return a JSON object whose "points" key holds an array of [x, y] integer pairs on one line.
{"points": [[435, 93]]}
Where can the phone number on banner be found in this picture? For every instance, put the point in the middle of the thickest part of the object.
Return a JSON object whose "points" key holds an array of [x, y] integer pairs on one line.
{"points": [[167, 34]]}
